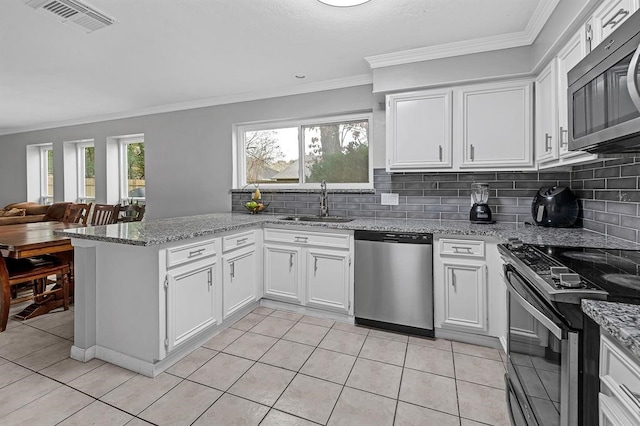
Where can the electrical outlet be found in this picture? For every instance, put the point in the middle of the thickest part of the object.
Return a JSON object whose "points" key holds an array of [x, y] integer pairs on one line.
{"points": [[389, 199]]}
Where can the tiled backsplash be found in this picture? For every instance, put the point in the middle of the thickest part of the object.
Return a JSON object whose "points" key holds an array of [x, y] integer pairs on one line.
{"points": [[422, 196], [610, 194]]}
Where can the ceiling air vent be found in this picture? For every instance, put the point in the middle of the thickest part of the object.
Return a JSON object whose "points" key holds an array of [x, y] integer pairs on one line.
{"points": [[73, 13]]}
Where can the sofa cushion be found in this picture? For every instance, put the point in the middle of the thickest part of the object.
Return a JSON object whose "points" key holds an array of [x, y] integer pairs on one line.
{"points": [[13, 212], [20, 205], [56, 211], [36, 209]]}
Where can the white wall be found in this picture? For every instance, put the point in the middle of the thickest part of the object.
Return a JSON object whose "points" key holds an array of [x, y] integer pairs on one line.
{"points": [[188, 153]]}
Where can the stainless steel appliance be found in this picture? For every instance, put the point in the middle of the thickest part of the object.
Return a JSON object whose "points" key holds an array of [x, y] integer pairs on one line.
{"points": [[604, 94], [555, 206], [394, 281], [480, 211], [552, 347]]}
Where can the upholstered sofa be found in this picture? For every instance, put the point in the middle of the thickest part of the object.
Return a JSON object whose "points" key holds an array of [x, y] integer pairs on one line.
{"points": [[27, 212]]}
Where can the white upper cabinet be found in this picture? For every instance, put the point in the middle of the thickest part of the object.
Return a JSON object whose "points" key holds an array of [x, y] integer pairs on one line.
{"points": [[608, 17], [468, 127], [495, 125], [419, 130], [547, 114]]}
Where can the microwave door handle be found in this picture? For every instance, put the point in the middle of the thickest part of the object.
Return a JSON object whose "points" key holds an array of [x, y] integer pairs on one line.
{"points": [[548, 323], [632, 79]]}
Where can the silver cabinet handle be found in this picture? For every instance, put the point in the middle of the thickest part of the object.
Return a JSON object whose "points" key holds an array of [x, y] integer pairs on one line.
{"points": [[632, 79], [315, 265], [547, 142], [241, 241], [458, 248], [233, 269], [632, 396], [210, 278], [613, 21], [564, 141], [290, 261], [196, 253], [453, 278], [440, 152], [472, 152], [299, 239]]}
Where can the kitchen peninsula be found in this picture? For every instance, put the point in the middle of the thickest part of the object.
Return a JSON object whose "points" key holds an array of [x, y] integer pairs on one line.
{"points": [[148, 293]]}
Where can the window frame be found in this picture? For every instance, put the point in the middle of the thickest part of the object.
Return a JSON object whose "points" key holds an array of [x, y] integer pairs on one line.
{"points": [[239, 157], [81, 165], [45, 197], [123, 142]]}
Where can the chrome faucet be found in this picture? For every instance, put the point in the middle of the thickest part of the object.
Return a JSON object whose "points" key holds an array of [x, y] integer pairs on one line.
{"points": [[324, 201]]}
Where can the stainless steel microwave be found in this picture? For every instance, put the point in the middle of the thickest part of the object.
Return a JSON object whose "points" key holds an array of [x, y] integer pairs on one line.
{"points": [[604, 94]]}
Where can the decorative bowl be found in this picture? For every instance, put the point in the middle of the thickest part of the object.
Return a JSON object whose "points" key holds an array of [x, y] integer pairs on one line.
{"points": [[258, 208]]}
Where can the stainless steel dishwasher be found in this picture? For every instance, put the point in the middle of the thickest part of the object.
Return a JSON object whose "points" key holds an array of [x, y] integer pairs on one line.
{"points": [[394, 281]]}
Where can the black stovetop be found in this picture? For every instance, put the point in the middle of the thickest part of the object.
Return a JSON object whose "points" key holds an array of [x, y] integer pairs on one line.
{"points": [[615, 271]]}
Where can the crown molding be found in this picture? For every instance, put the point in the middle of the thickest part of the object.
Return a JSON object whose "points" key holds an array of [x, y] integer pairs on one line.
{"points": [[339, 83], [467, 47]]}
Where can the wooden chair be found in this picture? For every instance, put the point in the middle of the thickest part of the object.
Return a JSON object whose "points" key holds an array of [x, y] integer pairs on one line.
{"points": [[14, 272], [77, 213], [104, 214], [131, 213]]}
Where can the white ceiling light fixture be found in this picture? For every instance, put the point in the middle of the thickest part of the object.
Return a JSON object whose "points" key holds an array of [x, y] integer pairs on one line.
{"points": [[343, 3]]}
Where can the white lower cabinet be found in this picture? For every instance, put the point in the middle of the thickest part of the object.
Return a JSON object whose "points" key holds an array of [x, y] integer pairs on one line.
{"points": [[239, 276], [191, 291], [309, 268], [282, 273], [619, 402], [328, 279], [465, 289]]}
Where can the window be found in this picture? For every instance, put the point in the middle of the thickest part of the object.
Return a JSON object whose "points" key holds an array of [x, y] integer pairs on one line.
{"points": [[46, 174], [305, 153], [85, 152], [132, 177]]}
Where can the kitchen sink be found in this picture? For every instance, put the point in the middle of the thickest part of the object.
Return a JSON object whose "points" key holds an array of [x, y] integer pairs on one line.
{"points": [[334, 219]]}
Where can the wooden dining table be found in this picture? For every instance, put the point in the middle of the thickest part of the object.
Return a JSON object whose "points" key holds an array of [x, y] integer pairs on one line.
{"points": [[35, 239]]}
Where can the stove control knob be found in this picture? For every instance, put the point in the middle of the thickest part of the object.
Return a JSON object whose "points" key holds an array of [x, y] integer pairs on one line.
{"points": [[514, 242], [570, 280]]}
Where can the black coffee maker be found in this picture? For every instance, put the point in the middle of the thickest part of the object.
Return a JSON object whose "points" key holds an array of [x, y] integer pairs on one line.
{"points": [[480, 211]]}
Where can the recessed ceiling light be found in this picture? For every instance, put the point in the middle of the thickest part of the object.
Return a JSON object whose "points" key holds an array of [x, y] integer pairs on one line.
{"points": [[343, 3]]}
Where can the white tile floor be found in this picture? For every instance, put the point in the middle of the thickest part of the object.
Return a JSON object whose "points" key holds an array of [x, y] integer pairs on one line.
{"points": [[271, 368]]}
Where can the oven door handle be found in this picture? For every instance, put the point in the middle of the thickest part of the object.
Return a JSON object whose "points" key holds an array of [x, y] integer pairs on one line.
{"points": [[542, 318], [632, 79]]}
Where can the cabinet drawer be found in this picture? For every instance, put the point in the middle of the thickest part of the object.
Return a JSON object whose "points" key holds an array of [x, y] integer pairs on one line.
{"points": [[620, 374], [461, 248], [242, 239], [190, 252], [322, 239]]}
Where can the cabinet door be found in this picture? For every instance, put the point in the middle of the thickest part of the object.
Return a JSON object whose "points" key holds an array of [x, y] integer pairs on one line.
{"points": [[610, 412], [419, 130], [281, 273], [190, 301], [239, 275], [465, 304], [608, 17], [328, 279], [495, 125], [546, 136]]}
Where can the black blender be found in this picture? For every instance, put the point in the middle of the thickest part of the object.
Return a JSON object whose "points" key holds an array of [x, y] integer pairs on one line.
{"points": [[480, 211]]}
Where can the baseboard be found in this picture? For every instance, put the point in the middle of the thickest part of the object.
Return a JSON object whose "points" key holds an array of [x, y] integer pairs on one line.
{"points": [[474, 339], [304, 310], [83, 355]]}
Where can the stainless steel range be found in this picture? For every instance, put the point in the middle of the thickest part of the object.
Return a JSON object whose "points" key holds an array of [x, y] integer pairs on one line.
{"points": [[552, 347]]}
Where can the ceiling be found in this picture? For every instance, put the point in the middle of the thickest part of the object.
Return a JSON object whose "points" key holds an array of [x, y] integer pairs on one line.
{"points": [[172, 54]]}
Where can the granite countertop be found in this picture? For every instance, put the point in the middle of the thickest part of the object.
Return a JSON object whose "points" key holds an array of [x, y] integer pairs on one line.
{"points": [[621, 320], [160, 231]]}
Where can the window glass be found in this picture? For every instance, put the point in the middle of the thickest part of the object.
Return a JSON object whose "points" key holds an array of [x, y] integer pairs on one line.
{"points": [[272, 156], [46, 174], [133, 170], [336, 151], [86, 172]]}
